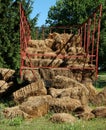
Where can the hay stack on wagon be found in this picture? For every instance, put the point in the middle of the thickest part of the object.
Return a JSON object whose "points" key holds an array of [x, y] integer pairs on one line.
{"points": [[53, 85]]}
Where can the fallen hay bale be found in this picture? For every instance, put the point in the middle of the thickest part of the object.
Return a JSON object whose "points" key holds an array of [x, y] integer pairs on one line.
{"points": [[14, 112], [100, 98], [92, 90], [65, 104], [31, 75], [86, 116], [34, 89], [99, 111], [5, 73], [63, 117], [79, 93], [36, 106], [3, 86]]}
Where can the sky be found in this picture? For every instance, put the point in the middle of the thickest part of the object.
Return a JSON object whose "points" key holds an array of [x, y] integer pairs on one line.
{"points": [[41, 7]]}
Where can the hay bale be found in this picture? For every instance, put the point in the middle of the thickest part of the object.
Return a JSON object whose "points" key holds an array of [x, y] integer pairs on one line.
{"points": [[99, 111], [86, 116], [100, 98], [36, 106], [14, 112], [63, 117], [48, 62], [5, 73], [3, 86], [49, 42], [65, 104], [77, 75], [74, 92], [92, 90], [76, 41], [62, 82], [33, 89], [50, 55], [46, 73], [31, 75]]}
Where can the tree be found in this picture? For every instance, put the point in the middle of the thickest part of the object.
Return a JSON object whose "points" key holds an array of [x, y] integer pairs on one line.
{"points": [[9, 31], [74, 12]]}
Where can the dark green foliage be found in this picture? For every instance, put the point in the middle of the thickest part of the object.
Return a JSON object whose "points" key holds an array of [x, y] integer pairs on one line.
{"points": [[9, 31], [73, 12]]}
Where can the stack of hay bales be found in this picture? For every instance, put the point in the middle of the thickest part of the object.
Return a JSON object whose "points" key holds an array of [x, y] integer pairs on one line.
{"points": [[54, 52], [5, 80], [60, 90]]}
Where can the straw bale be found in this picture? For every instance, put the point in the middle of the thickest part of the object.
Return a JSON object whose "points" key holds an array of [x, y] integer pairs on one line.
{"points": [[88, 74], [100, 98], [32, 43], [30, 50], [75, 41], [92, 90], [34, 62], [65, 104], [65, 37], [79, 93], [77, 75], [65, 82], [99, 111], [46, 73], [31, 75], [86, 116], [71, 51], [33, 89], [49, 55], [39, 44], [3, 86], [12, 112], [63, 117], [52, 35], [63, 72], [49, 42], [61, 82], [80, 50], [74, 92], [35, 106], [5, 73], [46, 62]]}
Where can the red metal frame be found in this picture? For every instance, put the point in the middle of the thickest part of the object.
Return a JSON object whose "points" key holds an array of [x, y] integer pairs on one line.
{"points": [[89, 32]]}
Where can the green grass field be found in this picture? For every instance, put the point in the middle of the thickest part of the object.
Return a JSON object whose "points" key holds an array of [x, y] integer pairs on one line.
{"points": [[43, 123]]}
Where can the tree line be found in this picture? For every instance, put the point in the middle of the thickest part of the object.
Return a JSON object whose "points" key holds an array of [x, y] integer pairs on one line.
{"points": [[63, 13]]}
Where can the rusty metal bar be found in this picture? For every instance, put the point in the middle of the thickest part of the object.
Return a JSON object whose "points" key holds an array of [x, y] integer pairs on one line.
{"points": [[88, 36], [98, 38]]}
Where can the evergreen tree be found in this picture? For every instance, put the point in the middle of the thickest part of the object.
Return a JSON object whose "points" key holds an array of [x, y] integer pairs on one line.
{"points": [[9, 31]]}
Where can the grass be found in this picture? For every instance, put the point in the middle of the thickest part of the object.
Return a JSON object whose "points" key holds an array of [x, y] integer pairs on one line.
{"points": [[101, 81], [43, 123]]}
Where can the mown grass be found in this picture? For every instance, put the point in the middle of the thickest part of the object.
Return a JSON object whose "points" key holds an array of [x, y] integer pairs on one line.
{"points": [[44, 123]]}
